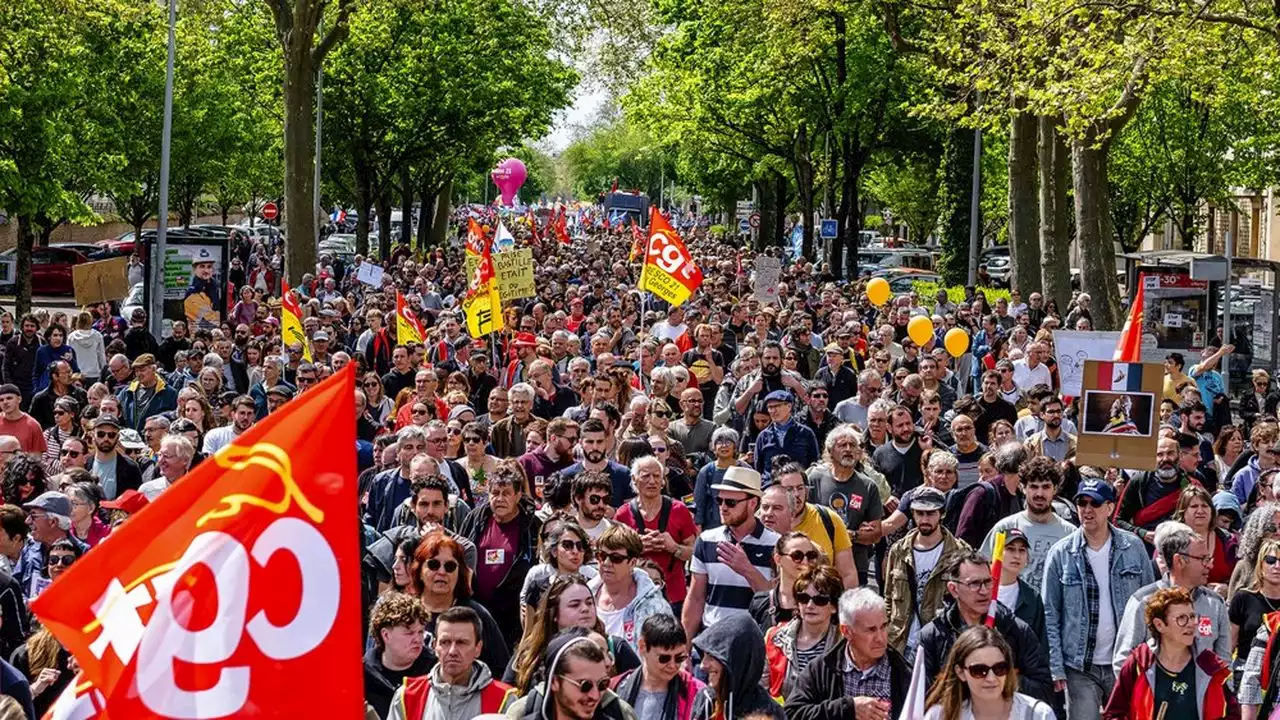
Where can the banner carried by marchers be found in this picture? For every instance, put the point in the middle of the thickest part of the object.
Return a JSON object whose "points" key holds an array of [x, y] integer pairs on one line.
{"points": [[669, 271], [483, 304], [408, 327], [291, 321], [235, 593]]}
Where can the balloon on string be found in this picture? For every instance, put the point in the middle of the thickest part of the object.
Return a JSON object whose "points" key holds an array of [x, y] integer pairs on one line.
{"points": [[878, 291], [920, 330], [956, 341], [509, 175]]}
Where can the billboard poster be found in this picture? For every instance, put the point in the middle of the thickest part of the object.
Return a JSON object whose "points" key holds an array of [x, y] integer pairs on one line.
{"points": [[195, 282]]}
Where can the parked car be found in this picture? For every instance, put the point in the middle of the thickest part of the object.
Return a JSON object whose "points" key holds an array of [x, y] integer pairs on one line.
{"points": [[133, 300], [50, 269]]}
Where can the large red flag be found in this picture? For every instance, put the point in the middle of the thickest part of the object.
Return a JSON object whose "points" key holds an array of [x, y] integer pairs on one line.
{"points": [[235, 593], [1129, 349]]}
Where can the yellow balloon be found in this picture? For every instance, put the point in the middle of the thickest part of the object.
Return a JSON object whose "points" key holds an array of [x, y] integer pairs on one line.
{"points": [[956, 342], [920, 330], [878, 291]]}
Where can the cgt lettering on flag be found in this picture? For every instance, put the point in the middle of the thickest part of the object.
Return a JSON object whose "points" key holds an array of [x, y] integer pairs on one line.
{"points": [[669, 271], [233, 588]]}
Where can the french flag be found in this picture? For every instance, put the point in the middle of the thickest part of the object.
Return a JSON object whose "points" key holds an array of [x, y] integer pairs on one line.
{"points": [[1119, 376]]}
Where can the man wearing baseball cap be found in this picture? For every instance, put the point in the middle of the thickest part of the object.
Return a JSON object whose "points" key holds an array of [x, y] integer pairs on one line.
{"points": [[1088, 577], [147, 395], [49, 518], [915, 570], [1017, 595], [784, 436], [731, 562]]}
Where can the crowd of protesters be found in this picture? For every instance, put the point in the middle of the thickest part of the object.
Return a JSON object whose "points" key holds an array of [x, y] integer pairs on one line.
{"points": [[615, 508]]}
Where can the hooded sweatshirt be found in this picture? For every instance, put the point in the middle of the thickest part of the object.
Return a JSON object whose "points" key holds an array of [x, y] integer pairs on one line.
{"points": [[447, 702], [737, 644], [91, 352], [649, 600]]}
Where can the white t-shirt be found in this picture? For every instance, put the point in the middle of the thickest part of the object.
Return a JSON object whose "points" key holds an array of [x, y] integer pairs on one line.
{"points": [[1008, 596], [614, 621], [666, 331], [594, 533], [1026, 377], [1105, 637], [926, 561]]}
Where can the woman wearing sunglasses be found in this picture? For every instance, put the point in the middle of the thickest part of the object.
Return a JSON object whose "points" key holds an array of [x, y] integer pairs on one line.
{"points": [[566, 549], [662, 687], [1252, 603], [66, 416], [979, 682], [790, 646], [793, 553], [1165, 677], [441, 579], [624, 596], [567, 604]]}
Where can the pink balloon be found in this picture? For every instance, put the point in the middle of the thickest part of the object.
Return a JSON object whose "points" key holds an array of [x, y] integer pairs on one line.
{"points": [[509, 175]]}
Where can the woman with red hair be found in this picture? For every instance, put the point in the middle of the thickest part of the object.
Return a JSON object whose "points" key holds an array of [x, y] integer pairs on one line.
{"points": [[441, 578]]}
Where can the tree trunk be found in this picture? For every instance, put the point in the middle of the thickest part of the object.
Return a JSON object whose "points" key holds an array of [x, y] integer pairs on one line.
{"points": [[22, 269], [224, 214], [842, 253], [384, 226], [444, 206], [803, 164], [957, 185], [299, 154], [1024, 245], [829, 188], [729, 201], [1055, 243], [426, 214], [777, 221], [406, 208], [1093, 228], [364, 202]]}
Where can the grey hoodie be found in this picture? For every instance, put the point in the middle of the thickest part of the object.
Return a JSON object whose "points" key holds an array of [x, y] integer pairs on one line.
{"points": [[91, 352], [738, 637], [447, 702]]}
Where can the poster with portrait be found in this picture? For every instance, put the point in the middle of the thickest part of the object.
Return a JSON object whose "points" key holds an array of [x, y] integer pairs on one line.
{"points": [[1118, 414], [195, 282]]}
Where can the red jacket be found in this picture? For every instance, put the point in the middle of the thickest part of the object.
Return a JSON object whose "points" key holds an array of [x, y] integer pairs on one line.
{"points": [[1134, 695]]}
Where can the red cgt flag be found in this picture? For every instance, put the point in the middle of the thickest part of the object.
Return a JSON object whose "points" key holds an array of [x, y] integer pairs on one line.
{"points": [[236, 592], [1129, 349]]}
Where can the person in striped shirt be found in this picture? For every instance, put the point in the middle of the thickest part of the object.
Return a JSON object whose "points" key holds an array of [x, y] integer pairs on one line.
{"points": [[731, 562]]}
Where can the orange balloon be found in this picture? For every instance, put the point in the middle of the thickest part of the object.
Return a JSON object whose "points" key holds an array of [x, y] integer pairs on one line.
{"points": [[920, 330], [878, 291], [956, 341]]}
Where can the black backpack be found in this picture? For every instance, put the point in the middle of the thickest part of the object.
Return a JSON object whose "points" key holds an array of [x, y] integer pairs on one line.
{"points": [[664, 516], [956, 499]]}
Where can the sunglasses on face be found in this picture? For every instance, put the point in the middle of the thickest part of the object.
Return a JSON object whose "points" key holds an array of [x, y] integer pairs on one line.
{"points": [[804, 598], [471, 439], [1271, 559], [727, 502], [63, 560], [1087, 502], [586, 686], [664, 658], [978, 670], [615, 558], [578, 545], [596, 499], [106, 435], [450, 566], [799, 556], [660, 414], [71, 453]]}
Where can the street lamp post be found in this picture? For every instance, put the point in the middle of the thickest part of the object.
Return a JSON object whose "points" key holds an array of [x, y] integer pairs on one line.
{"points": [[162, 224]]}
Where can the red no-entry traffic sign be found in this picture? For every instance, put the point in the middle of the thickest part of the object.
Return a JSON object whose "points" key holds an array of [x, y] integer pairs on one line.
{"points": [[270, 211]]}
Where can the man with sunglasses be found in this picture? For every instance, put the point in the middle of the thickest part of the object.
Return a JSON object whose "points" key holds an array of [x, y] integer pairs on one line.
{"points": [[49, 518], [114, 470], [731, 562], [661, 689], [1088, 577], [555, 455], [591, 492], [970, 590], [577, 685]]}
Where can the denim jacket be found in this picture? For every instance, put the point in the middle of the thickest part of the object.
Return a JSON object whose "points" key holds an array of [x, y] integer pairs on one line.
{"points": [[1064, 599]]}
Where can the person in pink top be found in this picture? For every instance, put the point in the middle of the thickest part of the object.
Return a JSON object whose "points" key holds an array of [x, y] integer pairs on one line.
{"points": [[18, 424]]}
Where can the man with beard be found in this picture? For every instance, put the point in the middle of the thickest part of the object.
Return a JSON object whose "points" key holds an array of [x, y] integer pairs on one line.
{"points": [[1052, 441], [836, 484], [115, 471], [1042, 527], [244, 411], [816, 416], [769, 379], [1088, 577], [692, 429], [595, 458], [591, 490], [178, 341], [992, 406], [555, 455], [915, 569], [899, 459], [1151, 497], [20, 358], [1193, 416]]}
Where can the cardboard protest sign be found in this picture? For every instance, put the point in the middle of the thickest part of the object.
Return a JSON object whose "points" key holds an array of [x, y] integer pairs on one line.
{"points": [[515, 272], [370, 274], [101, 281], [1118, 414], [1073, 348], [768, 275]]}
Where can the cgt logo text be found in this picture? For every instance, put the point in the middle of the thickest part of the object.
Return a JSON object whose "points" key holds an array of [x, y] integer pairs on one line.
{"points": [[165, 638]]}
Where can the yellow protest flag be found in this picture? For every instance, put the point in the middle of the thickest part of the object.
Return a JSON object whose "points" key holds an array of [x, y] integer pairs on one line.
{"points": [[291, 322], [408, 327], [483, 303]]}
